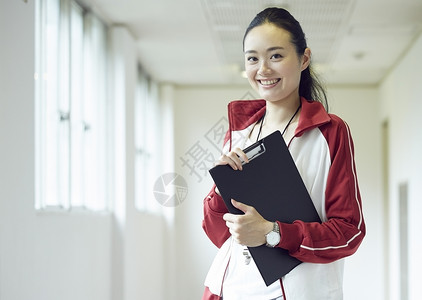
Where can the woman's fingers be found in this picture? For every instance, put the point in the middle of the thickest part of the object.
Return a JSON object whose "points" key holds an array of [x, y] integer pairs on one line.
{"points": [[234, 159], [228, 159], [247, 229], [241, 155]]}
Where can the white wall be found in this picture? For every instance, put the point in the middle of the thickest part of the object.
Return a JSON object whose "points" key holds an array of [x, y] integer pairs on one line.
{"points": [[138, 241], [401, 105], [42, 256], [359, 108], [76, 255]]}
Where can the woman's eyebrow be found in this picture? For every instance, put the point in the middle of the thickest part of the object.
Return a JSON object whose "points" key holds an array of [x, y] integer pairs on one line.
{"points": [[275, 48], [268, 50], [250, 51]]}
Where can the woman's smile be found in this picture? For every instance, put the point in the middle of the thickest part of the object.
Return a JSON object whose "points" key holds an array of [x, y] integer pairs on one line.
{"points": [[268, 82]]}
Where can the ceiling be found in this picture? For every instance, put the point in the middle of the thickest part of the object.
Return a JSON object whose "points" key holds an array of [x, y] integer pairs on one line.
{"points": [[200, 41]]}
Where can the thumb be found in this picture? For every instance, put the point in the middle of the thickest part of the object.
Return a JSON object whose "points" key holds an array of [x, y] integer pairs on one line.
{"points": [[239, 205]]}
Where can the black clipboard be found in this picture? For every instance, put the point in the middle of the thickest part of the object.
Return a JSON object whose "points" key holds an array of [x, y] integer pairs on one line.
{"points": [[271, 183]]}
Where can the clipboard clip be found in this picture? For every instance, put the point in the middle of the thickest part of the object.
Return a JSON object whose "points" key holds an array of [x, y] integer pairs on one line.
{"points": [[254, 150]]}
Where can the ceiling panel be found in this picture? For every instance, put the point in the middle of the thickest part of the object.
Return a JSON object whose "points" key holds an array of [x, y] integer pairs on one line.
{"points": [[200, 41]]}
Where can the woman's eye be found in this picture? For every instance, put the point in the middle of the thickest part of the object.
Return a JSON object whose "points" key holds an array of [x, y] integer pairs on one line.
{"points": [[251, 59], [276, 56]]}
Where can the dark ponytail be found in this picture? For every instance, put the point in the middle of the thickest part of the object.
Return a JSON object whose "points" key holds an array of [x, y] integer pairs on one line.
{"points": [[309, 87]]}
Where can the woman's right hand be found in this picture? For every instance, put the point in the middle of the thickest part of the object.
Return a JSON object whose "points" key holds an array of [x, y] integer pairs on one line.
{"points": [[234, 159]]}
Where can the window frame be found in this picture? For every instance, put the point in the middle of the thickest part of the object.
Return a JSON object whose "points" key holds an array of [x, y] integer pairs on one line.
{"points": [[71, 120], [148, 130]]}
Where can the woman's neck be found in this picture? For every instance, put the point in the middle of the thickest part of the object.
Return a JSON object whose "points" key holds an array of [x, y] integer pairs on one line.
{"points": [[280, 112]]}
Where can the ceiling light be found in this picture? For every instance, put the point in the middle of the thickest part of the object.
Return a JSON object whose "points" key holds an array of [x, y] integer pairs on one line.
{"points": [[359, 55]]}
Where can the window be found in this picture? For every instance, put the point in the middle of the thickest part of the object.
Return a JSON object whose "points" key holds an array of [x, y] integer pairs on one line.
{"points": [[147, 141], [71, 107]]}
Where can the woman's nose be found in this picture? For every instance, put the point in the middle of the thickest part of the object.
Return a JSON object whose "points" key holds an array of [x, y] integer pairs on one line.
{"points": [[264, 68]]}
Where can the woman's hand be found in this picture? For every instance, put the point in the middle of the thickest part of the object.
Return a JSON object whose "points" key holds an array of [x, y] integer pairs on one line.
{"points": [[248, 229], [234, 159]]}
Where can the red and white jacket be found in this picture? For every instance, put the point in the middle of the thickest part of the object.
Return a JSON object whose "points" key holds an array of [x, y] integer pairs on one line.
{"points": [[323, 151]]}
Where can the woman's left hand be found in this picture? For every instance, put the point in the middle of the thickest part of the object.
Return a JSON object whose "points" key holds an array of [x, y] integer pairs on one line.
{"points": [[248, 229]]}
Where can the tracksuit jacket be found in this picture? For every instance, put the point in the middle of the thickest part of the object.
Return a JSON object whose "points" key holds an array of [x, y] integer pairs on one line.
{"points": [[323, 151]]}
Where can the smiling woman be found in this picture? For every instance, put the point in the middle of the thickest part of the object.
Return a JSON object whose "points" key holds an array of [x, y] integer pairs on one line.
{"points": [[290, 38], [277, 64], [272, 64]]}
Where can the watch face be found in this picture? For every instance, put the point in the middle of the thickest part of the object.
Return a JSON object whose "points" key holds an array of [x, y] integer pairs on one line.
{"points": [[273, 238]]}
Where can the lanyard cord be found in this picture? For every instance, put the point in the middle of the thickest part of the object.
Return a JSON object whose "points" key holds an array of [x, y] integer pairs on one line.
{"points": [[285, 128]]}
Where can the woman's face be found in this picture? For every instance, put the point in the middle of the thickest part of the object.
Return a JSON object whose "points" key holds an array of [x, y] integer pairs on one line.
{"points": [[272, 64]]}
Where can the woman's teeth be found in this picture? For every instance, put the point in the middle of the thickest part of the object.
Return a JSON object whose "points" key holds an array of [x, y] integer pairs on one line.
{"points": [[269, 82]]}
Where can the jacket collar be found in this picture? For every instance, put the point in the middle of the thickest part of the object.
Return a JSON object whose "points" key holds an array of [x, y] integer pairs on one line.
{"points": [[243, 113], [313, 115]]}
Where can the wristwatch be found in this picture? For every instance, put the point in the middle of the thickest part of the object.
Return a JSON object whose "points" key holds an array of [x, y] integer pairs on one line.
{"points": [[273, 237]]}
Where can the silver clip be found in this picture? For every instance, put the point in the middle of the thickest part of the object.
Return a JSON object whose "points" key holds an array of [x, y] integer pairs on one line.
{"points": [[253, 152], [247, 256]]}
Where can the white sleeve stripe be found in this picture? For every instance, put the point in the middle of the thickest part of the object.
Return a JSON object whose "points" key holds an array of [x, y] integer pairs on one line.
{"points": [[354, 176], [356, 198], [332, 247]]}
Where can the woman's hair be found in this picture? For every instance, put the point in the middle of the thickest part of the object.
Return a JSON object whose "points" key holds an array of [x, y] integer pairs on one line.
{"points": [[309, 87]]}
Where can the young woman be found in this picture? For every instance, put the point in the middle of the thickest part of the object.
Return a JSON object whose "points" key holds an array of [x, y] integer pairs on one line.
{"points": [[277, 62]]}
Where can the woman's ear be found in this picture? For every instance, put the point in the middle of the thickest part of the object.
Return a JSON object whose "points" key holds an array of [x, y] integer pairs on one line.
{"points": [[306, 58]]}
